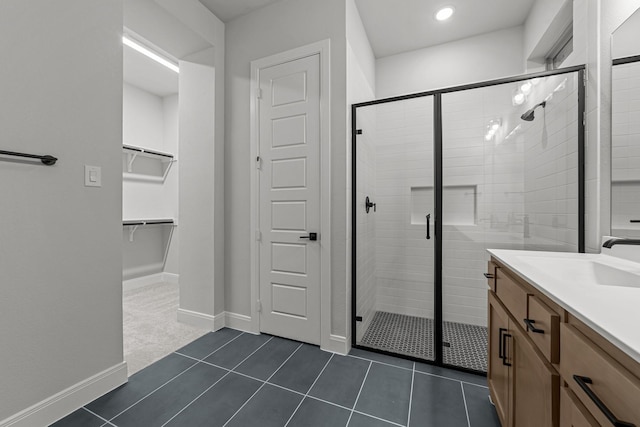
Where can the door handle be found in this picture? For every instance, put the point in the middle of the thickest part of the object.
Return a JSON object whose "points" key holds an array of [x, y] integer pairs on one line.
{"points": [[311, 236], [428, 226], [369, 204]]}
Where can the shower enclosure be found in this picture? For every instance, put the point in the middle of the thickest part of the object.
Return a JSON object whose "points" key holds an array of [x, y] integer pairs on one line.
{"points": [[438, 178]]}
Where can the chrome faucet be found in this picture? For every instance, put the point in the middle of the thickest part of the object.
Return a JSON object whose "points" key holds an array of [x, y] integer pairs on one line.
{"points": [[616, 241]]}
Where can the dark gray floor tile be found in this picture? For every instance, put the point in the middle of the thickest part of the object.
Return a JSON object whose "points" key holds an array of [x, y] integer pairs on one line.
{"points": [[302, 369], [235, 352], [79, 418], [139, 385], [264, 362], [341, 380], [437, 402], [205, 345], [452, 373], [386, 393], [481, 412], [270, 407], [383, 358], [219, 403], [313, 413], [171, 398], [360, 420]]}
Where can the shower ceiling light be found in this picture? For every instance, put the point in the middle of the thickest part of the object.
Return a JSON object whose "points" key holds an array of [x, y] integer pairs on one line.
{"points": [[525, 87], [444, 13], [149, 53]]}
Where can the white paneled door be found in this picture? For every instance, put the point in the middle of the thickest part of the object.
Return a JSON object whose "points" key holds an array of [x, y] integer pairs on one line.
{"points": [[289, 206]]}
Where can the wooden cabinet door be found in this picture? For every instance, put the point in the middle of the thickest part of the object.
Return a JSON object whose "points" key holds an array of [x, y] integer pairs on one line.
{"points": [[572, 412], [536, 401], [498, 369]]}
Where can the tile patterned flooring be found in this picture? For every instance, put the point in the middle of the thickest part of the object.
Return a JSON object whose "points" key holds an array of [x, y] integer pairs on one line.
{"points": [[230, 378], [413, 336]]}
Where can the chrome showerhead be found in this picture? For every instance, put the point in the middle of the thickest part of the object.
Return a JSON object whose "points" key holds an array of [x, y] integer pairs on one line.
{"points": [[528, 116]]}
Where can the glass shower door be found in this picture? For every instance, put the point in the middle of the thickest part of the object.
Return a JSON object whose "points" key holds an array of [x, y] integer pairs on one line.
{"points": [[510, 181], [394, 223]]}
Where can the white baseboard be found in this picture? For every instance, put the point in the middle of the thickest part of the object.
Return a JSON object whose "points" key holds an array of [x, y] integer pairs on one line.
{"points": [[239, 322], [201, 320], [152, 279], [171, 278], [67, 401], [337, 344]]}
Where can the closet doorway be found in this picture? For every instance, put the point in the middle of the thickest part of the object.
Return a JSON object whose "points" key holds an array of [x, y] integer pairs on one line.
{"points": [[169, 158]]}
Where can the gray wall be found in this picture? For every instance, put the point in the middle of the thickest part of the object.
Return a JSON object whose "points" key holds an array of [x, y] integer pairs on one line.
{"points": [[279, 27], [60, 250]]}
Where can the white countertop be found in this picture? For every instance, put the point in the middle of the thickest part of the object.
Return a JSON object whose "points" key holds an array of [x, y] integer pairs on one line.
{"points": [[613, 310]]}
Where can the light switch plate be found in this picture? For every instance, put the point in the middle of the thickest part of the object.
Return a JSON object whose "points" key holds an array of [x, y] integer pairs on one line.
{"points": [[92, 176]]}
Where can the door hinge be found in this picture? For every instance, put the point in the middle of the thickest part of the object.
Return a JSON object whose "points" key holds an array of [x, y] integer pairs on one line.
{"points": [[259, 163], [258, 236], [259, 306], [259, 93]]}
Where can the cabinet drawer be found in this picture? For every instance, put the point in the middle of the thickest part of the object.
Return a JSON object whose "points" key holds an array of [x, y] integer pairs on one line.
{"points": [[492, 271], [512, 295], [599, 382], [572, 412], [543, 327]]}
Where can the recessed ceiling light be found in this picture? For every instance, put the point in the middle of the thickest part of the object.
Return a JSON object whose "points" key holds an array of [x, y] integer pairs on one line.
{"points": [[445, 13]]}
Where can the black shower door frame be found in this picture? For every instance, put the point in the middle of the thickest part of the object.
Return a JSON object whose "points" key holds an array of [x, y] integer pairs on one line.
{"points": [[438, 190]]}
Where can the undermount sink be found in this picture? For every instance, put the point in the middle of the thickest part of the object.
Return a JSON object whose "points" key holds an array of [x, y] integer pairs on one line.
{"points": [[585, 271]]}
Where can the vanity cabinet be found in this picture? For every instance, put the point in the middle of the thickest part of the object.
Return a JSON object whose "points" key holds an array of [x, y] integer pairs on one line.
{"points": [[523, 385], [547, 368]]}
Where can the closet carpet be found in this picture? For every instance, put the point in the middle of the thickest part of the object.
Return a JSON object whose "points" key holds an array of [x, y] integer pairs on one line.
{"points": [[150, 326]]}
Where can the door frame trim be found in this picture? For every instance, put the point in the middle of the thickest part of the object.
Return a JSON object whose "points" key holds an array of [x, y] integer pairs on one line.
{"points": [[322, 48]]}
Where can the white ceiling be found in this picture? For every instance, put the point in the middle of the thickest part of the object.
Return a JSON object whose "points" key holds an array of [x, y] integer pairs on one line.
{"points": [[228, 10], [147, 74], [395, 26]]}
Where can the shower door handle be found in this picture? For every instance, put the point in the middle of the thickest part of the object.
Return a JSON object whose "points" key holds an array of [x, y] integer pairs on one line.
{"points": [[428, 227]]}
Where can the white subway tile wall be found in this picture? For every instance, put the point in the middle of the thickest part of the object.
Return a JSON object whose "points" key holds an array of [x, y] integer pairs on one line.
{"points": [[625, 151], [404, 160], [551, 166], [495, 167]]}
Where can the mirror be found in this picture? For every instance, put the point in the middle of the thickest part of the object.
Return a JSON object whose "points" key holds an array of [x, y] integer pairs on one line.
{"points": [[625, 129]]}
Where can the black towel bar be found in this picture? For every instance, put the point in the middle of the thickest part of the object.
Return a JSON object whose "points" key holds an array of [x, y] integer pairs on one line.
{"points": [[46, 159]]}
